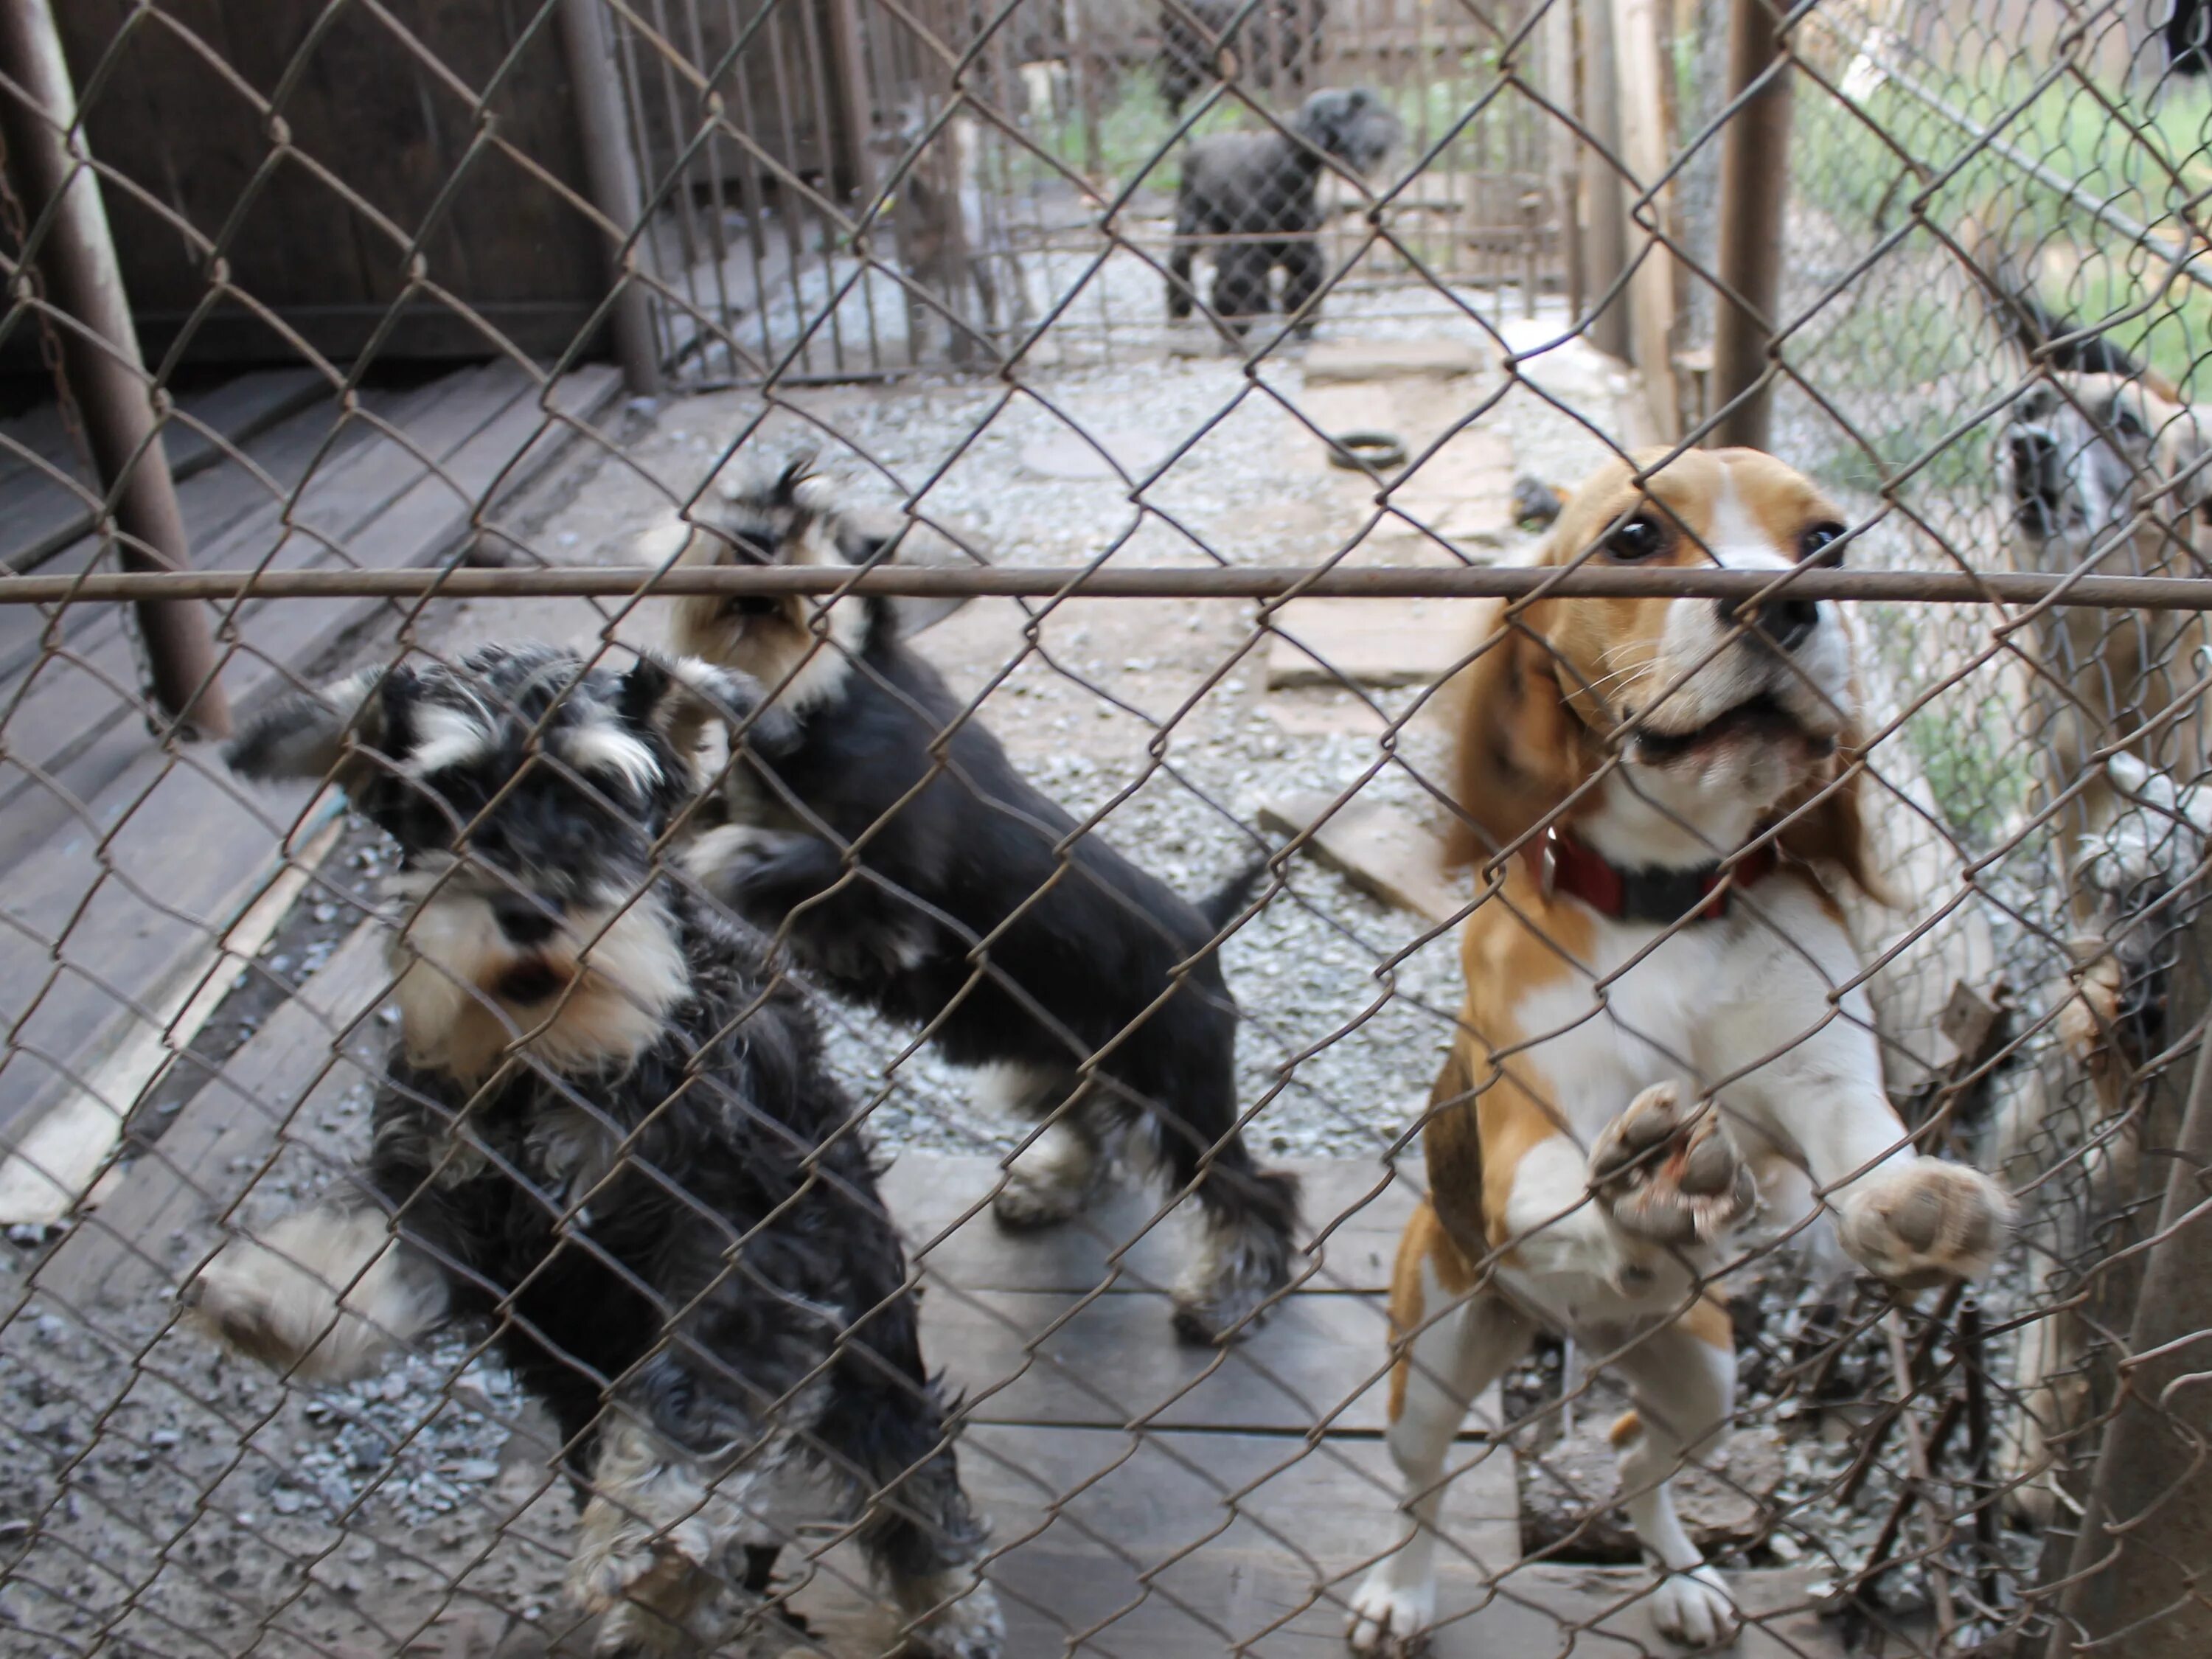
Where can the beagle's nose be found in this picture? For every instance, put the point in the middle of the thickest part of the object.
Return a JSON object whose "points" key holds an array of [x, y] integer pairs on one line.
{"points": [[1785, 625], [524, 920]]}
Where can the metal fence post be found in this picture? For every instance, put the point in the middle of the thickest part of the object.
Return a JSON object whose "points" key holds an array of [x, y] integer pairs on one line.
{"points": [[611, 172], [100, 356], [1753, 204]]}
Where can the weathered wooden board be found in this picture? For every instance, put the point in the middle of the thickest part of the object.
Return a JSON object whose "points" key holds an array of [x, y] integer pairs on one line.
{"points": [[380, 508], [102, 907], [942, 1205], [161, 1218], [54, 1162], [101, 917], [70, 700], [1028, 1356], [388, 141], [40, 515], [214, 502], [1264, 1605], [1435, 357], [1465, 489]]}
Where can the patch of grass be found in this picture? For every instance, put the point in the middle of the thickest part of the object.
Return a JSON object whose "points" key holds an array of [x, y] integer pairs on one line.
{"points": [[2138, 162], [1976, 768]]}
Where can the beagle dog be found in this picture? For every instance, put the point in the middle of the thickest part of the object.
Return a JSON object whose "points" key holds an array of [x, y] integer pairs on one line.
{"points": [[2111, 473], [1664, 1023], [2108, 471]]}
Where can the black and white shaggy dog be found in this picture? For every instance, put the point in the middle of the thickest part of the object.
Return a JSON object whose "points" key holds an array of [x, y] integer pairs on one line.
{"points": [[953, 896], [1257, 192], [609, 1135]]}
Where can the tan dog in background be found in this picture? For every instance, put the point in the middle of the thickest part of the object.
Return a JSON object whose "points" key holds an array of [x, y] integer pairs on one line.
{"points": [[1662, 1024]]}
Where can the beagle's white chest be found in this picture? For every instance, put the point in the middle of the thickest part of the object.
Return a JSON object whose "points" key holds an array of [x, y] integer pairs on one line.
{"points": [[1745, 1004]]}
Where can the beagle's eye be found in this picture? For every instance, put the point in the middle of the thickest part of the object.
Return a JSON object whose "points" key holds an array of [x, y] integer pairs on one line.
{"points": [[1814, 541], [1638, 538]]}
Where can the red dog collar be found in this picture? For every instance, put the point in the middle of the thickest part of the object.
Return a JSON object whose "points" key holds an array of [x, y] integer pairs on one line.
{"points": [[1563, 864]]}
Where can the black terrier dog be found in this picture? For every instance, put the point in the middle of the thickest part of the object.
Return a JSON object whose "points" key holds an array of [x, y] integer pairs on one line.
{"points": [[1252, 194], [610, 1135], [889, 840]]}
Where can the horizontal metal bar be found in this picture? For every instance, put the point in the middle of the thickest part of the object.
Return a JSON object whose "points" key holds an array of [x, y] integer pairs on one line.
{"points": [[1212, 582]]}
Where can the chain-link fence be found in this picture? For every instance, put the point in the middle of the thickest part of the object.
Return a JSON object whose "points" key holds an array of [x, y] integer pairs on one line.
{"points": [[1156, 964]]}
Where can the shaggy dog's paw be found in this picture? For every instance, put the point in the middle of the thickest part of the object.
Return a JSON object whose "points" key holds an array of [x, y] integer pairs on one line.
{"points": [[1928, 1224], [321, 1294], [1694, 1609], [618, 1564], [1050, 1181], [1390, 1621], [729, 859], [1671, 1173], [1223, 1296], [968, 1628]]}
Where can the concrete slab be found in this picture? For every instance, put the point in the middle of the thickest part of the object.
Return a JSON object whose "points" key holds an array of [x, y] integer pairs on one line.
{"points": [[1382, 850], [1338, 642], [1435, 357]]}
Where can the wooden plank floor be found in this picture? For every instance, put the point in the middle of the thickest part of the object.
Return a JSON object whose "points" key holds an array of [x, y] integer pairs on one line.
{"points": [[1152, 1501], [105, 925], [1226, 1522], [45, 491]]}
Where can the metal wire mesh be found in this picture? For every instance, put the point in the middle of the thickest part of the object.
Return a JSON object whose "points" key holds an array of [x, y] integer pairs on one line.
{"points": [[1218, 354]]}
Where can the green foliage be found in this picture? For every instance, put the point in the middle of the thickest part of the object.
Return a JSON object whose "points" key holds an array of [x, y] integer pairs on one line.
{"points": [[1138, 138], [2126, 161], [1975, 766]]}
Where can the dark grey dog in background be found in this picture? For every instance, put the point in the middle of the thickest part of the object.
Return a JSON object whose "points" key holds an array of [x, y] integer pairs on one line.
{"points": [[1258, 192]]}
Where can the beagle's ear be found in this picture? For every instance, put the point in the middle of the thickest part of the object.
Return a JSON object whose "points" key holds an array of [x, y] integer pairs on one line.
{"points": [[1521, 750], [1834, 833], [314, 734]]}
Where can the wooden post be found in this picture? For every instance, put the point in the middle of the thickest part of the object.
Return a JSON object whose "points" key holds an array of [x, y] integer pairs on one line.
{"points": [[1605, 243], [1754, 202], [1563, 86], [855, 128], [2139, 1560], [100, 358], [610, 172], [1643, 147]]}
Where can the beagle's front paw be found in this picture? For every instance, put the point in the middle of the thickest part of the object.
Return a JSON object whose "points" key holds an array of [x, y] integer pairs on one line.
{"points": [[1670, 1173], [1928, 1224], [2092, 1012], [1391, 1620], [1695, 1609]]}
